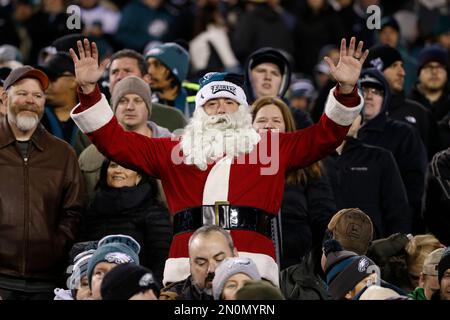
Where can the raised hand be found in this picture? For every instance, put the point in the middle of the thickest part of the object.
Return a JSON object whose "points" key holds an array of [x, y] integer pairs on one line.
{"points": [[87, 69], [347, 71]]}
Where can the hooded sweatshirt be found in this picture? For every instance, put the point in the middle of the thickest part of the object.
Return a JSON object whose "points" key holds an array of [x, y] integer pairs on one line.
{"points": [[267, 54], [405, 144]]}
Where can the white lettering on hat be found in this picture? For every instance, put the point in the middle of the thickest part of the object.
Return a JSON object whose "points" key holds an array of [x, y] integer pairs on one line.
{"points": [[363, 264], [239, 262], [146, 280], [223, 87], [118, 258]]}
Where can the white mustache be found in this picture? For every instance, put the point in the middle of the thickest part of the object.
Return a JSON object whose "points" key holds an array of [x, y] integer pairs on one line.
{"points": [[222, 121]]}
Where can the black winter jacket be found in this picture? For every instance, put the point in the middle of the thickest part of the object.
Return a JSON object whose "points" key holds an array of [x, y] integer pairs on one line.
{"points": [[418, 116], [305, 213], [405, 144], [134, 212], [183, 290], [438, 108], [305, 281], [368, 178], [305, 210], [443, 133]]}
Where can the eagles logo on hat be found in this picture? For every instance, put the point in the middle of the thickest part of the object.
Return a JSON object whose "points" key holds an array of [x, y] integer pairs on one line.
{"points": [[118, 258], [344, 269], [377, 63], [117, 249], [363, 264], [382, 57], [126, 280], [215, 85]]}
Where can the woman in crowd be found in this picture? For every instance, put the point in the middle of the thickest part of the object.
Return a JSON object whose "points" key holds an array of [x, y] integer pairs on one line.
{"points": [[127, 202], [308, 202]]}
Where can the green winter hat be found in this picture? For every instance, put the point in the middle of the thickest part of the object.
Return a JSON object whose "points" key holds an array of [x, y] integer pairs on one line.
{"points": [[118, 249], [173, 56]]}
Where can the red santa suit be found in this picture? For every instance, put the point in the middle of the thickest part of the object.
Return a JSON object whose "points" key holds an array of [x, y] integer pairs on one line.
{"points": [[244, 184]]}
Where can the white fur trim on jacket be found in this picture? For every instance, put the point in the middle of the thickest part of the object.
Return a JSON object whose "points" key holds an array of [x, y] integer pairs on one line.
{"points": [[176, 269], [217, 183], [220, 89], [93, 118], [339, 113]]}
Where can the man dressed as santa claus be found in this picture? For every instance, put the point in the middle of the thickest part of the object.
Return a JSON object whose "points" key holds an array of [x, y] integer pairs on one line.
{"points": [[220, 171]]}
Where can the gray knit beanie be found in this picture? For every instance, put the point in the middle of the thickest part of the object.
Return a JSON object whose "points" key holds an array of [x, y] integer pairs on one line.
{"points": [[132, 84], [230, 267]]}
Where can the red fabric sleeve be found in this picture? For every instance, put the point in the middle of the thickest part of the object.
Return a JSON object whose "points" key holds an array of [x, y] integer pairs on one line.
{"points": [[88, 100], [349, 100]]}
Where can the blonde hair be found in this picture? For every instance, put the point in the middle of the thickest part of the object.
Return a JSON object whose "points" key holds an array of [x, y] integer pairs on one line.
{"points": [[296, 176], [418, 248]]}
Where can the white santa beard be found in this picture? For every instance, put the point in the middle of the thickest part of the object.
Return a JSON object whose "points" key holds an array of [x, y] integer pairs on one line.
{"points": [[209, 138]]}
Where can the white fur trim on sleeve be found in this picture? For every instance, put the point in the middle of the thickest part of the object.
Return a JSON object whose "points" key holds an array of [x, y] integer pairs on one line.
{"points": [[93, 118], [339, 113]]}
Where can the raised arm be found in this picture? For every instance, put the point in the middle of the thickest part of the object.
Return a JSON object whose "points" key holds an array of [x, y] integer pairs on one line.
{"points": [[95, 118], [342, 107], [87, 69], [348, 69]]}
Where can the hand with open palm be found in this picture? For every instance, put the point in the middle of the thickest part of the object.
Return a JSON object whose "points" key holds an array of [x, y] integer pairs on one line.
{"points": [[348, 69], [87, 69]]}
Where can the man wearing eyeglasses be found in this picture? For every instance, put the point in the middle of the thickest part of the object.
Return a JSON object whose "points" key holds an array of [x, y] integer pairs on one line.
{"points": [[390, 62], [401, 139], [61, 97], [431, 89]]}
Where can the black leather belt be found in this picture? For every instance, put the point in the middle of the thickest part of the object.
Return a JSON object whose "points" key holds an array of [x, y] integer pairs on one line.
{"points": [[224, 215]]}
